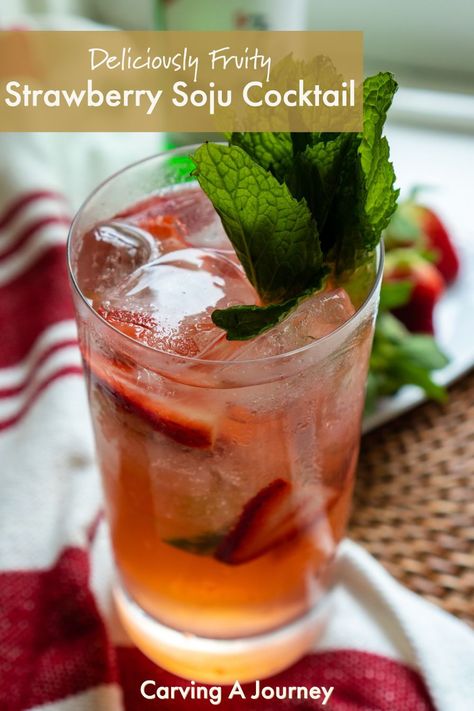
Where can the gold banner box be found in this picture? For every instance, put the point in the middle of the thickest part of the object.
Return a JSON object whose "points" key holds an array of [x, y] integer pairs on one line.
{"points": [[180, 81]]}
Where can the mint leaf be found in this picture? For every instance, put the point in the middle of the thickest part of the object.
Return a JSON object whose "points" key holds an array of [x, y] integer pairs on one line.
{"points": [[309, 163], [274, 235], [366, 197], [244, 322], [300, 141], [374, 152], [316, 177], [272, 151], [201, 544]]}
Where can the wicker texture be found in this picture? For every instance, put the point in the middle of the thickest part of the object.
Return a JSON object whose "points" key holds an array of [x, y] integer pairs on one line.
{"points": [[414, 500]]}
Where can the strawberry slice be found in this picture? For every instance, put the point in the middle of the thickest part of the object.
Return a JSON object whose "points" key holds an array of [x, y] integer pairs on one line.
{"points": [[181, 421], [261, 519], [141, 327], [270, 519], [167, 229]]}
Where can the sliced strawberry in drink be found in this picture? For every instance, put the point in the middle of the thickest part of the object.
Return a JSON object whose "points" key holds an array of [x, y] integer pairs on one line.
{"points": [[259, 523], [270, 519], [189, 203], [168, 230], [181, 421], [139, 326]]}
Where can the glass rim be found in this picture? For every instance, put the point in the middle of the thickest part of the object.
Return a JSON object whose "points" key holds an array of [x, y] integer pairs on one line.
{"points": [[176, 357]]}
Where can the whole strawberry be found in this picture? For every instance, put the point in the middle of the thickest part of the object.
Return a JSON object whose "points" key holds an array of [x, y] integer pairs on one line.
{"points": [[416, 225], [439, 241], [426, 286]]}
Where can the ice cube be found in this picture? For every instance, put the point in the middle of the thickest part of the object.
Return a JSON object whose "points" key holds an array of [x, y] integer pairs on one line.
{"points": [[168, 302], [186, 214], [317, 316], [213, 236], [110, 252]]}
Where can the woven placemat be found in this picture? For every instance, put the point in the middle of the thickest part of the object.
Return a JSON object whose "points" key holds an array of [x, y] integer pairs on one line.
{"points": [[414, 500]]}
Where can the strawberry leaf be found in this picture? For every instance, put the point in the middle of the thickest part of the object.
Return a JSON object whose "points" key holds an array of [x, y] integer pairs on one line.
{"points": [[394, 294], [400, 358]]}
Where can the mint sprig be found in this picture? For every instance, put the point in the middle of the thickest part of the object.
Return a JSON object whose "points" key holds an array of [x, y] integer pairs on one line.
{"points": [[299, 206], [274, 235]]}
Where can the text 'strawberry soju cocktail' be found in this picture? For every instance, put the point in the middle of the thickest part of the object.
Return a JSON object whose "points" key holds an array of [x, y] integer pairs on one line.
{"points": [[228, 466]]}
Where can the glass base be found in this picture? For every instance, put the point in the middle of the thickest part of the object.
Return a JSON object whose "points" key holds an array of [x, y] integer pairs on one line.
{"points": [[220, 661]]}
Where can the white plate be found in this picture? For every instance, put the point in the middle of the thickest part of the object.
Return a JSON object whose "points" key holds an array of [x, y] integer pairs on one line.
{"points": [[454, 324], [445, 161]]}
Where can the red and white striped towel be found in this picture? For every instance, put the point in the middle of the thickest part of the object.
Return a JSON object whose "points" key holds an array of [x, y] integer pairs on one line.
{"points": [[61, 647]]}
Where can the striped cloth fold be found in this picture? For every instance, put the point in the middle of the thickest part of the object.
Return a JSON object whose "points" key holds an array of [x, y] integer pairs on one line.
{"points": [[61, 647]]}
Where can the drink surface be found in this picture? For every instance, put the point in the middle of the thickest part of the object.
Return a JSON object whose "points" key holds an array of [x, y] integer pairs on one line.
{"points": [[225, 502]]}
